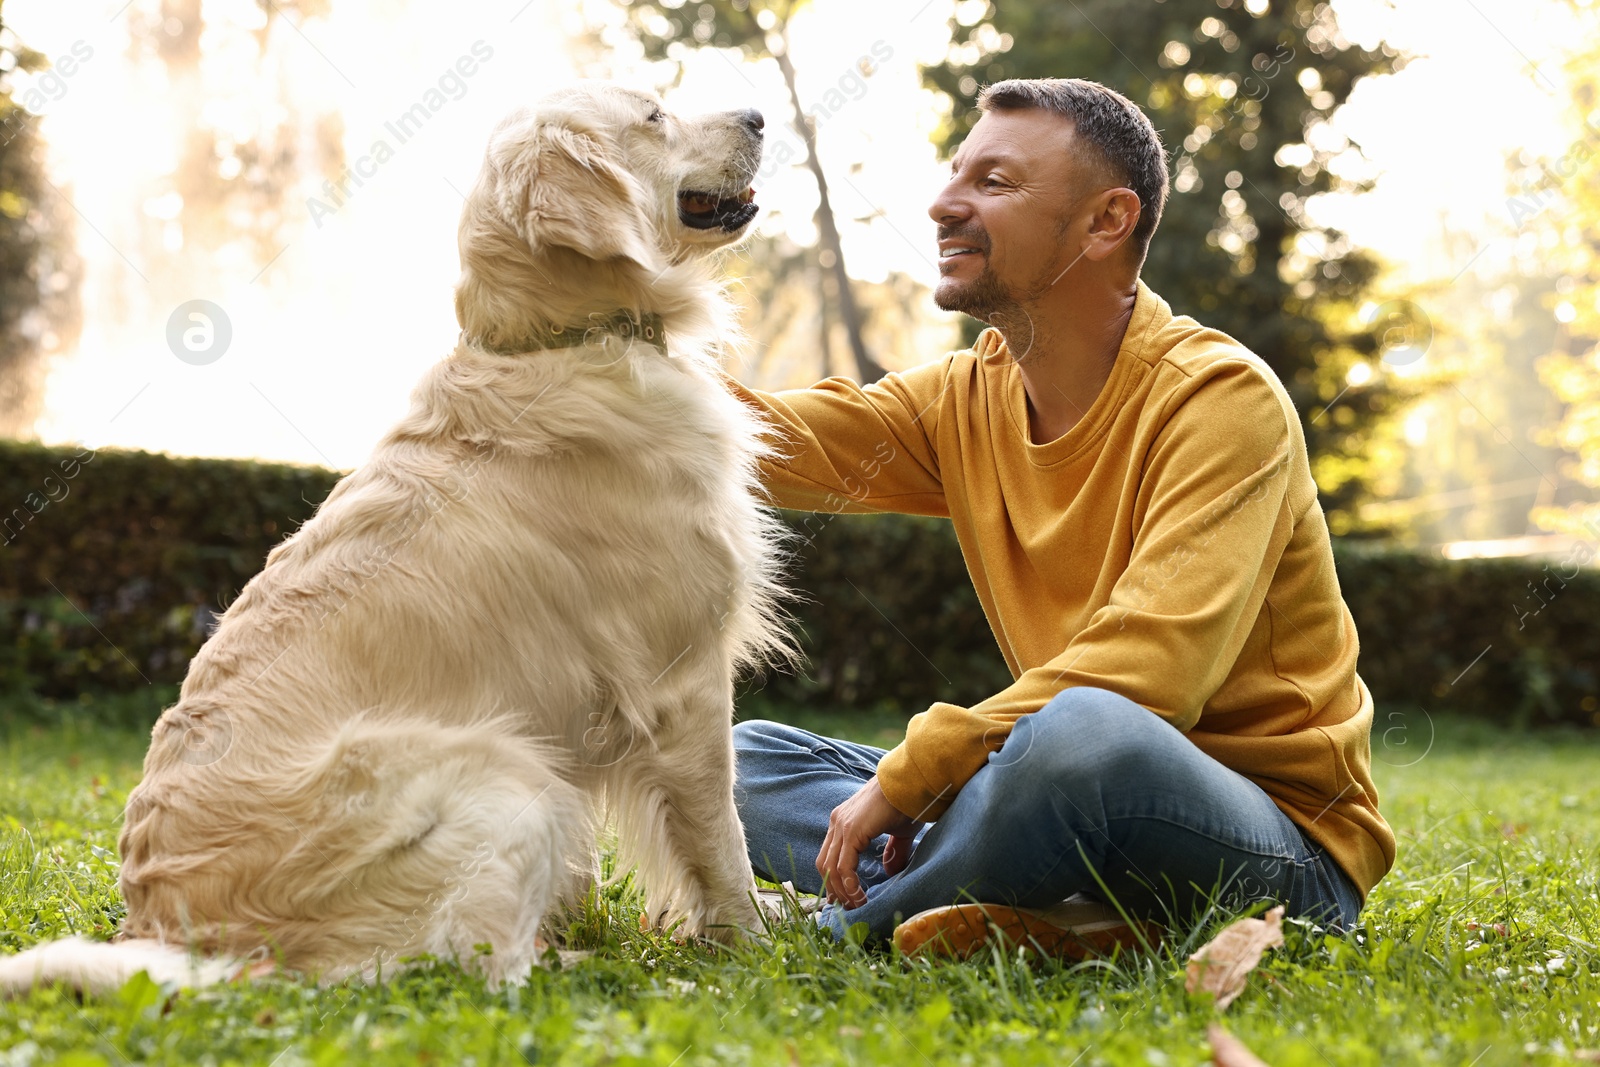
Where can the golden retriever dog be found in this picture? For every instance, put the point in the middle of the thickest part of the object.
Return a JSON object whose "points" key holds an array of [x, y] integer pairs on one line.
{"points": [[523, 615]]}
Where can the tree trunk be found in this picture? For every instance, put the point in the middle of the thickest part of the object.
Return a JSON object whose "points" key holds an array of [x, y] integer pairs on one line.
{"points": [[849, 315], [824, 325]]}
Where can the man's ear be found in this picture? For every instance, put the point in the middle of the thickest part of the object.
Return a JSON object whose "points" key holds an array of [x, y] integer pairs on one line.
{"points": [[564, 191], [1113, 217]]}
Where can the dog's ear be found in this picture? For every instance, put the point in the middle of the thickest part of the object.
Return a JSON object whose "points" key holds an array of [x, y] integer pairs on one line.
{"points": [[566, 191]]}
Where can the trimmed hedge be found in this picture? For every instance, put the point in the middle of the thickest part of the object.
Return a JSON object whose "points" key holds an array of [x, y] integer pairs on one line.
{"points": [[1468, 636], [1511, 639], [113, 565]]}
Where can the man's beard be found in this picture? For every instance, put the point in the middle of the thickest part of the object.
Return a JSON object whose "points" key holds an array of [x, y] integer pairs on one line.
{"points": [[985, 298], [1004, 307], [990, 300]]}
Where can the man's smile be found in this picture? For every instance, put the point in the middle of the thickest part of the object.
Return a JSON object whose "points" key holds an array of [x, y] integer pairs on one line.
{"points": [[953, 250]]}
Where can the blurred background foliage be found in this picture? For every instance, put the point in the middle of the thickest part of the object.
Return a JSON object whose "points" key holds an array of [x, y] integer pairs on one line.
{"points": [[1572, 369], [39, 268]]}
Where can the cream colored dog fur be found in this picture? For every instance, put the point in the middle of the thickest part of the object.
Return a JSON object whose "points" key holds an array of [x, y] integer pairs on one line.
{"points": [[526, 611]]}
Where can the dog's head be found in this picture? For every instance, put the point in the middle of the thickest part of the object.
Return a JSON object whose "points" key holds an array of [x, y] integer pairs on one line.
{"points": [[605, 174]]}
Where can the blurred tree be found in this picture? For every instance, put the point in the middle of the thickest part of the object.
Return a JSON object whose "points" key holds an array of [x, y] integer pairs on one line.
{"points": [[783, 295], [39, 271], [1573, 369], [759, 29], [1463, 463], [236, 167], [782, 290], [1241, 91]]}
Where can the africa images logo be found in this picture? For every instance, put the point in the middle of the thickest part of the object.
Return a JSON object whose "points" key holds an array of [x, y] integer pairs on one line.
{"points": [[451, 85]]}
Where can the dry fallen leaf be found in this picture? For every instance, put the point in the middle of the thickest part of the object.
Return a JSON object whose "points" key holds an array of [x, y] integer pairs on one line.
{"points": [[1224, 963], [1229, 1051]]}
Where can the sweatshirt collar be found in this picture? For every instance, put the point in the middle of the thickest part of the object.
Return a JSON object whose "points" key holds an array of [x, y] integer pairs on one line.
{"points": [[1149, 310]]}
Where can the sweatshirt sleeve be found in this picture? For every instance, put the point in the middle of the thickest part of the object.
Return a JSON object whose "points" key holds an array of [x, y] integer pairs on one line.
{"points": [[1216, 518], [845, 447]]}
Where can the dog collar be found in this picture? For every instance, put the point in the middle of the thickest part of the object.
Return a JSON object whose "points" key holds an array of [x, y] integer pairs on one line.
{"points": [[647, 327]]}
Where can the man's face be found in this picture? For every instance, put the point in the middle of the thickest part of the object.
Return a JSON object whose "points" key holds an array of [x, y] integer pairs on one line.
{"points": [[1004, 217]]}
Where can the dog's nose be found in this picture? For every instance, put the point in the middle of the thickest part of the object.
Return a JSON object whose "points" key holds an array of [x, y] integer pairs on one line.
{"points": [[752, 118]]}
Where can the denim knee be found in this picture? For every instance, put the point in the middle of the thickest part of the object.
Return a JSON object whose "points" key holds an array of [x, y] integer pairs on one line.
{"points": [[763, 735], [1082, 735]]}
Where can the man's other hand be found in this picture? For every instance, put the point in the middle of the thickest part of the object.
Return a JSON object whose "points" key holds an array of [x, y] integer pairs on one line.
{"points": [[852, 826]]}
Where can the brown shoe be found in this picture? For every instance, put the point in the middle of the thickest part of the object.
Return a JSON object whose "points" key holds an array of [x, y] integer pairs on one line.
{"points": [[1076, 929]]}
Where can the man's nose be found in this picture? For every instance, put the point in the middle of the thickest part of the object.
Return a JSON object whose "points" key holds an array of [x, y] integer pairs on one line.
{"points": [[751, 119], [949, 207]]}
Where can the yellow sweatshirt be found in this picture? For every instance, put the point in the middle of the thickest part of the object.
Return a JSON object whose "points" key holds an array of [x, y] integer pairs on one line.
{"points": [[1169, 548]]}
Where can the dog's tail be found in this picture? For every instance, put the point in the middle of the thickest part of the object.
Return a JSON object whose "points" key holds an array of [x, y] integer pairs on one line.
{"points": [[392, 841], [103, 966]]}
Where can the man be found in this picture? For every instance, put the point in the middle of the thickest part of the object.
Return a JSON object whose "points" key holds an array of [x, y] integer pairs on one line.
{"points": [[1133, 498]]}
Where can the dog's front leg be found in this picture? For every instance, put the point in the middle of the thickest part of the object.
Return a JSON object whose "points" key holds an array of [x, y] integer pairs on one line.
{"points": [[678, 821]]}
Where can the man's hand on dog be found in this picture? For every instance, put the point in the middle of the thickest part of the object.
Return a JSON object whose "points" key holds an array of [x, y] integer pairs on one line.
{"points": [[852, 826]]}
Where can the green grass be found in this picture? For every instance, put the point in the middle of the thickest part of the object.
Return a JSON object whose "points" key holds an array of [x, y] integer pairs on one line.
{"points": [[1495, 828]]}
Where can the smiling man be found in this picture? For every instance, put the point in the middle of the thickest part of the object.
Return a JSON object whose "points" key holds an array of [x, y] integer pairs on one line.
{"points": [[1133, 498]]}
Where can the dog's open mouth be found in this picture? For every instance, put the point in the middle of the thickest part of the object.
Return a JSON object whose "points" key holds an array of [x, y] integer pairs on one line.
{"points": [[710, 211]]}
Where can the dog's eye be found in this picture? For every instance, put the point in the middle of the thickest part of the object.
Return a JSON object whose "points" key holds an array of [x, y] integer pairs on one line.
{"points": [[656, 115]]}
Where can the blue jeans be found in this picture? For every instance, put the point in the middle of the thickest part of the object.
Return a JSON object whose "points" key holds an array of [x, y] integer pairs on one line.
{"points": [[1091, 784]]}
